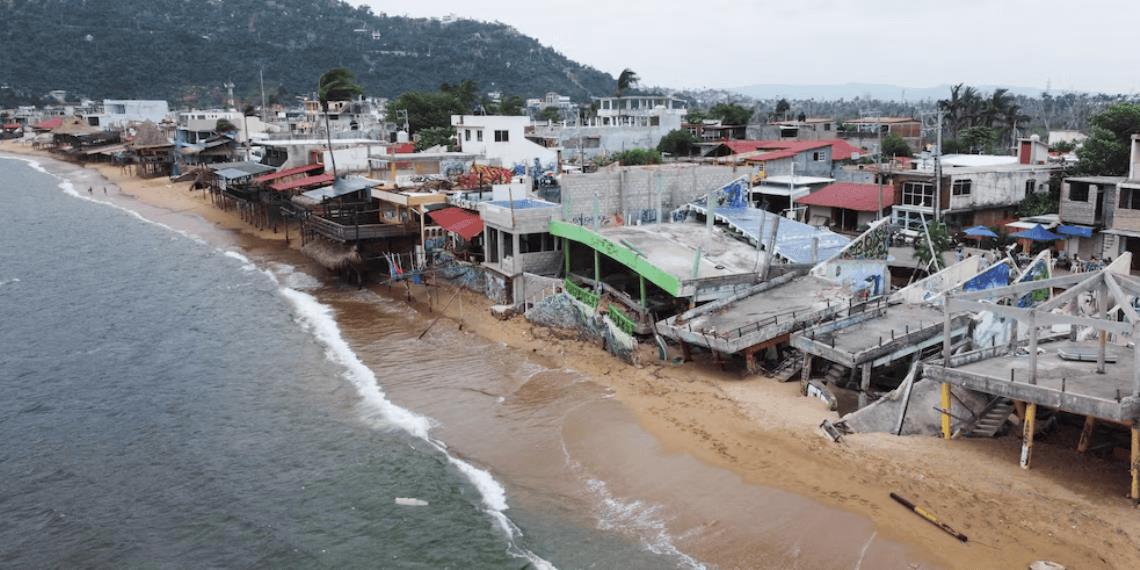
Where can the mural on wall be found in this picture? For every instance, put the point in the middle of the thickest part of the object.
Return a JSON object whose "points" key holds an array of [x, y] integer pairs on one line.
{"points": [[996, 276], [1037, 271], [865, 278]]}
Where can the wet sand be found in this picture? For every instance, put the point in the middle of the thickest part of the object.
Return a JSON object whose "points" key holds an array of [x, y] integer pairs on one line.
{"points": [[1069, 508]]}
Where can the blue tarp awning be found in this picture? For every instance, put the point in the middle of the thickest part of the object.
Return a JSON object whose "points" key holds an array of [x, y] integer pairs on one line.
{"points": [[1080, 231]]}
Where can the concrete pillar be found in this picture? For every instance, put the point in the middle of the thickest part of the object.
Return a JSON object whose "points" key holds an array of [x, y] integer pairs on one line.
{"points": [[805, 374], [1135, 494], [865, 386]]}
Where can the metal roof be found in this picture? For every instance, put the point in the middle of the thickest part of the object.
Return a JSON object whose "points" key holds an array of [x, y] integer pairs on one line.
{"points": [[851, 196]]}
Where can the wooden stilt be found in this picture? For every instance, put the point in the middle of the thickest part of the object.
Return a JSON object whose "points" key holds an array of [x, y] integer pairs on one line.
{"points": [[945, 410], [1086, 435], [1135, 461], [1027, 434]]}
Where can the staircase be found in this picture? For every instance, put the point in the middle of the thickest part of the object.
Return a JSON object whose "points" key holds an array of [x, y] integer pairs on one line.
{"points": [[991, 420], [837, 375], [790, 367]]}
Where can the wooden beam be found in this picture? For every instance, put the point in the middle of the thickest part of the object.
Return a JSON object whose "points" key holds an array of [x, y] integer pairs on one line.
{"points": [[946, 410], [1071, 293]]}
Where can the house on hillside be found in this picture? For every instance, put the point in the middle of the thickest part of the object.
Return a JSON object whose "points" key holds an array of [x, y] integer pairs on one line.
{"points": [[502, 141]]}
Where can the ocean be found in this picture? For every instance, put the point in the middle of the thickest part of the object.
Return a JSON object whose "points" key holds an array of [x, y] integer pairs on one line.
{"points": [[177, 396]]}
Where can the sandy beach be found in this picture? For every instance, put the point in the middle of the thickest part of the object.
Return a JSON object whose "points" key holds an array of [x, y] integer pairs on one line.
{"points": [[1069, 508]]}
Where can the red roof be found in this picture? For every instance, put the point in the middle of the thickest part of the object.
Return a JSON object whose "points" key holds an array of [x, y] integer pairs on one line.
{"points": [[50, 124], [402, 148], [738, 147], [849, 195], [289, 172], [840, 149], [459, 221], [302, 182]]}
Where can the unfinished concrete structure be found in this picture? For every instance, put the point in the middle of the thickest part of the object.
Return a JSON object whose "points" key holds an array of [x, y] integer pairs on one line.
{"points": [[1098, 379]]}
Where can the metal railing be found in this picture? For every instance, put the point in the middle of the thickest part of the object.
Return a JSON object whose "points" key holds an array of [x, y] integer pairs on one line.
{"points": [[623, 322], [588, 297]]}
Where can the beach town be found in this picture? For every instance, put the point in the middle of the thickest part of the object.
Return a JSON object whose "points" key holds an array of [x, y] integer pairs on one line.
{"points": [[766, 307]]}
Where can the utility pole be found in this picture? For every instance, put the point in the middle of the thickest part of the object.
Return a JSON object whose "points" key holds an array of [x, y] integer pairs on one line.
{"points": [[938, 169]]}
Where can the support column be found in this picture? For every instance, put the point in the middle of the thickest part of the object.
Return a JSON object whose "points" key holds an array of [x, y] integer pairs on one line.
{"points": [[566, 254], [805, 373], [1028, 427], [1101, 311], [597, 272], [1135, 461], [945, 410], [865, 385], [1086, 434]]}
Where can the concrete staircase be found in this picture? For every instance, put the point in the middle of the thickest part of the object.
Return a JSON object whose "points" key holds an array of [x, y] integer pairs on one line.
{"points": [[991, 420]]}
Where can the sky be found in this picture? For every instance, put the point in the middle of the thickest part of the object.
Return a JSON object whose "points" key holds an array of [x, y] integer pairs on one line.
{"points": [[717, 44]]}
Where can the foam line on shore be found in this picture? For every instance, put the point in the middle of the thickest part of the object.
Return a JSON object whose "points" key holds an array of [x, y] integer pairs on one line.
{"points": [[318, 319]]}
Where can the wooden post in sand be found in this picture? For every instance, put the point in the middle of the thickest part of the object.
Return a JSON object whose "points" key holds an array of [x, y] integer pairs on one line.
{"points": [[1027, 434], [946, 410], [865, 386], [1086, 435], [1135, 460]]}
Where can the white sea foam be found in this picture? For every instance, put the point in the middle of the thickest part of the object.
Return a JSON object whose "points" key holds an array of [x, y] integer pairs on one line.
{"points": [[318, 318], [640, 520], [9, 281]]}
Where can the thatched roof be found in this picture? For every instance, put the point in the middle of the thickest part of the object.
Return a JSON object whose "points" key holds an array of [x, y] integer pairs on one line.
{"points": [[74, 126], [332, 256]]}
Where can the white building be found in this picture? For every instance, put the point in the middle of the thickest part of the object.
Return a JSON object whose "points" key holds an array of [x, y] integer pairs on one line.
{"points": [[501, 140], [120, 112]]}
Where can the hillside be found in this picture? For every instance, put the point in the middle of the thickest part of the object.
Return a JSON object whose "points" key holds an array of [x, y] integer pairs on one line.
{"points": [[185, 51]]}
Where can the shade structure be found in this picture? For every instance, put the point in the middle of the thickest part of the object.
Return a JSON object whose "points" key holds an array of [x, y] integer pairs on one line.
{"points": [[1037, 233], [459, 221], [980, 231], [1080, 231]]}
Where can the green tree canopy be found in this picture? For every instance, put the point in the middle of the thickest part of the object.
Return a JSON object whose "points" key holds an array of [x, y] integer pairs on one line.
{"points": [[433, 136], [224, 126], [426, 109], [679, 142], [939, 239], [894, 145], [782, 107], [626, 80], [731, 113], [1106, 151], [512, 105], [466, 92], [337, 85], [695, 116], [638, 157], [979, 139], [551, 114]]}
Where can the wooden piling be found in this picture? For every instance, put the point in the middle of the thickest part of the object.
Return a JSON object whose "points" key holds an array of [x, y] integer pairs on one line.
{"points": [[945, 410], [1135, 461], [1027, 434], [1086, 435]]}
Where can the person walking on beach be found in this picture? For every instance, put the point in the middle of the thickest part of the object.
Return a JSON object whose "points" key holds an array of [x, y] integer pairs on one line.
{"points": [[90, 190]]}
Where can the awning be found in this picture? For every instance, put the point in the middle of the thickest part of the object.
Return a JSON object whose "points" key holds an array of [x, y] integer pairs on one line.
{"points": [[1080, 231], [459, 221]]}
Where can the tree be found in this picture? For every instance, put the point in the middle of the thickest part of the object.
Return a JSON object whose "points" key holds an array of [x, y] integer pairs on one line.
{"points": [[626, 80], [979, 139], [939, 239], [730, 113], [1106, 151], [551, 115], [679, 142], [513, 106], [426, 109], [1037, 204], [224, 126], [695, 116], [638, 157], [336, 85], [894, 145], [782, 107], [434, 136], [466, 92]]}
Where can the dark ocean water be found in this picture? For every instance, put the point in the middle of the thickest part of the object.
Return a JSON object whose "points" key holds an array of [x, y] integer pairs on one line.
{"points": [[171, 403]]}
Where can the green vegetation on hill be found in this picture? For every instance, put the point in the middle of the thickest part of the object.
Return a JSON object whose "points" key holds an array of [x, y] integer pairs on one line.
{"points": [[185, 51]]}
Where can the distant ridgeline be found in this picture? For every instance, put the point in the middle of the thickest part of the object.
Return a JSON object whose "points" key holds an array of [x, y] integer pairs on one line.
{"points": [[186, 51]]}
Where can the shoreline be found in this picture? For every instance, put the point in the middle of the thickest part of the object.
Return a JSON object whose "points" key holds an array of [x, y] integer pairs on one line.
{"points": [[1069, 508]]}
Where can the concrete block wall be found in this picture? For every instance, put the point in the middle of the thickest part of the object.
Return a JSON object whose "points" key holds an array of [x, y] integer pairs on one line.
{"points": [[632, 192]]}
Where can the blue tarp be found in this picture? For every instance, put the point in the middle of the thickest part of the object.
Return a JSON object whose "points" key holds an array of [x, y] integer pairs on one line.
{"points": [[1080, 231], [1037, 233]]}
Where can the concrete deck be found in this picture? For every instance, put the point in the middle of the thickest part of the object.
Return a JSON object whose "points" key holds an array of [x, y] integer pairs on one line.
{"points": [[1061, 384], [745, 323], [879, 336]]}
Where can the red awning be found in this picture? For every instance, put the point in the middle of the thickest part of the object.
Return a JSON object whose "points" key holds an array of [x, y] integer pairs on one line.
{"points": [[459, 221], [303, 182]]}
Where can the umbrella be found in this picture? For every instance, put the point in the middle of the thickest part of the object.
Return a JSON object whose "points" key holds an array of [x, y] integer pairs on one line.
{"points": [[1037, 233], [980, 231]]}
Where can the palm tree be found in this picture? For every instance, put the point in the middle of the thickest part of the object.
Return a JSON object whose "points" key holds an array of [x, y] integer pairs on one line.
{"points": [[626, 80], [336, 85]]}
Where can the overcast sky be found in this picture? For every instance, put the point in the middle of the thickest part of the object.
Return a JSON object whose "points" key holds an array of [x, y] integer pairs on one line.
{"points": [[1071, 45]]}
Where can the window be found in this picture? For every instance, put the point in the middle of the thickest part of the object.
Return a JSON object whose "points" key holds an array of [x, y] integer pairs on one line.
{"points": [[479, 136], [960, 188], [918, 194], [1078, 192], [467, 134], [502, 136], [1030, 186], [535, 243], [1130, 198]]}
